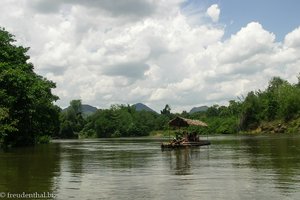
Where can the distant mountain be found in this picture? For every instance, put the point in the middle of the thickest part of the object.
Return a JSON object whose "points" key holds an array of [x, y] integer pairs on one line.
{"points": [[86, 109], [198, 109], [140, 107]]}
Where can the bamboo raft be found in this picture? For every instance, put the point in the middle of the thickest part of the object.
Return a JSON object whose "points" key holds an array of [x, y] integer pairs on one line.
{"points": [[190, 139]]}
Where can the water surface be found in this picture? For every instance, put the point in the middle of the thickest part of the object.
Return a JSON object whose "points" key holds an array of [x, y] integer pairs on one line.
{"points": [[233, 167]]}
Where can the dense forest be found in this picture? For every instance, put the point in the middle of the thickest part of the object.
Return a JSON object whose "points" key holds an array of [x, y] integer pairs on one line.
{"points": [[117, 121], [28, 114]]}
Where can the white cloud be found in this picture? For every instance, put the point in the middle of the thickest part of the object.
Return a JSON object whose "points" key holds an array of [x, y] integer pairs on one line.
{"points": [[248, 42], [292, 39], [213, 12], [105, 55]]}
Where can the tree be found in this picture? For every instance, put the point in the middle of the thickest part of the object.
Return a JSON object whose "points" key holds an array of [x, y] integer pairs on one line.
{"points": [[213, 111], [26, 99], [76, 105], [166, 110], [298, 84], [289, 98], [71, 119], [7, 125], [275, 83], [250, 111]]}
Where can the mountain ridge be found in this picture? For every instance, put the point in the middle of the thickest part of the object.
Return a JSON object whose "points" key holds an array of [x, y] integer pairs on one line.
{"points": [[85, 108], [143, 107], [198, 109], [88, 109]]}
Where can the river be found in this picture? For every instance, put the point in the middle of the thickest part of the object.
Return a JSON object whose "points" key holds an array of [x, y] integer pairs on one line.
{"points": [[233, 167]]}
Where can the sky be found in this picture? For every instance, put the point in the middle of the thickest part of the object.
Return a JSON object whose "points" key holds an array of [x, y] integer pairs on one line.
{"points": [[157, 52]]}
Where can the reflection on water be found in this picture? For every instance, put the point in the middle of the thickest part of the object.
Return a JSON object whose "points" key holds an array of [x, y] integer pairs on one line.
{"points": [[30, 169], [181, 160], [233, 167], [280, 155]]}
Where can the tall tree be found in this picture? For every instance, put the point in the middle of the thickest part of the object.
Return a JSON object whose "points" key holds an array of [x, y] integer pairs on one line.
{"points": [[76, 105], [71, 119], [26, 100]]}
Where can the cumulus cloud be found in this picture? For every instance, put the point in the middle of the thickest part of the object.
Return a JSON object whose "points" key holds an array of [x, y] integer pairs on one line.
{"points": [[292, 39], [249, 41], [135, 51], [213, 12]]}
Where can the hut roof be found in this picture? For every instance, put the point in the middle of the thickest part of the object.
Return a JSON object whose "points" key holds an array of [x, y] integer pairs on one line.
{"points": [[183, 122]]}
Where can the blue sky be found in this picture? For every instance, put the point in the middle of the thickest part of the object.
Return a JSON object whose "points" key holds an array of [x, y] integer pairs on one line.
{"points": [[277, 16], [176, 52]]}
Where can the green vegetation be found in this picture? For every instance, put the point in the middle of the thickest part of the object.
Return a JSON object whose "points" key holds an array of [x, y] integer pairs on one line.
{"points": [[71, 120], [122, 121], [275, 110], [220, 119], [26, 102]]}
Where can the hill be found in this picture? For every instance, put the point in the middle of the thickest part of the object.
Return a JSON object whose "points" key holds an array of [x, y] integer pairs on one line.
{"points": [[86, 109], [140, 107], [198, 109]]}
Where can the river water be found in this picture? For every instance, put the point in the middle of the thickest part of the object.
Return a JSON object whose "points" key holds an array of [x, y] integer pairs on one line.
{"points": [[233, 167]]}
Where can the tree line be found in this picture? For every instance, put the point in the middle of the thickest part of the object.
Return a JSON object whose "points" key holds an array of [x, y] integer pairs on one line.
{"points": [[275, 109], [28, 114], [117, 121]]}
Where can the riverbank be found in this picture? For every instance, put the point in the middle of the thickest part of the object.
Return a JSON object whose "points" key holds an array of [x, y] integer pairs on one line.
{"points": [[272, 127], [277, 127]]}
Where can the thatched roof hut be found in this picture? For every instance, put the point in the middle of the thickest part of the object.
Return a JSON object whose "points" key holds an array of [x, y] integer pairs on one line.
{"points": [[183, 122]]}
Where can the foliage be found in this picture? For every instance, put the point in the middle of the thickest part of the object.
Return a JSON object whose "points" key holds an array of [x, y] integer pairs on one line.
{"points": [[220, 119], [279, 101], [122, 121], [289, 101], [71, 120], [26, 101], [44, 139], [259, 110], [166, 111]]}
